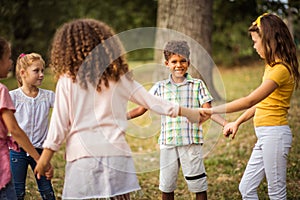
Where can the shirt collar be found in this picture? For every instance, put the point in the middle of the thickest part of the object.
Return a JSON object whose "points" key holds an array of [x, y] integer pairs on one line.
{"points": [[188, 78]]}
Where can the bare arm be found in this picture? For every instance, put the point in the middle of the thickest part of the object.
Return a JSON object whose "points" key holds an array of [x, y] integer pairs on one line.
{"points": [[248, 114], [232, 127], [260, 93], [136, 112], [215, 117], [18, 134]]}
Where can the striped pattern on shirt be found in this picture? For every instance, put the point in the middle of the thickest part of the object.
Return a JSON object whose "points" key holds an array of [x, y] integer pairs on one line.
{"points": [[191, 93]]}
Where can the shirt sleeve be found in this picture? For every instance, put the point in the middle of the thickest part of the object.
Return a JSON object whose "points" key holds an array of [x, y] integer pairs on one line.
{"points": [[52, 99], [153, 89], [60, 121], [279, 73], [204, 94], [5, 99]]}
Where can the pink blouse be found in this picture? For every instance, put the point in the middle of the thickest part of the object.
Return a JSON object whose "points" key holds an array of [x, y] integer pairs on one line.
{"points": [[93, 123], [5, 103]]}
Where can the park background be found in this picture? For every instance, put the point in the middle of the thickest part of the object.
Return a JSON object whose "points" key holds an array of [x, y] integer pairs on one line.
{"points": [[30, 24]]}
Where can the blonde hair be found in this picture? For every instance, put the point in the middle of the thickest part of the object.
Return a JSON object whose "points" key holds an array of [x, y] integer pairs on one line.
{"points": [[24, 61]]}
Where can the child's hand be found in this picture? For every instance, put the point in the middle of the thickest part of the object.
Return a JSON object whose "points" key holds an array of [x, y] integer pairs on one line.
{"points": [[230, 128], [205, 114], [206, 111], [41, 169], [43, 166], [49, 172]]}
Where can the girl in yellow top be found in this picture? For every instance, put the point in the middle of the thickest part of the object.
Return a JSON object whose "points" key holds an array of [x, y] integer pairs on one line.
{"points": [[269, 105]]}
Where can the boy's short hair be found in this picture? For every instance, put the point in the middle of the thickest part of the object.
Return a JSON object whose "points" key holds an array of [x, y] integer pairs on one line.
{"points": [[177, 47]]}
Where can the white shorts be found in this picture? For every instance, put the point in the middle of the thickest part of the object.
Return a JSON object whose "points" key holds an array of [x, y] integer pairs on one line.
{"points": [[189, 157], [100, 177]]}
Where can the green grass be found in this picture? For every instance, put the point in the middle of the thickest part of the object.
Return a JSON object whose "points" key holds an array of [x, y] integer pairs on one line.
{"points": [[225, 160]]}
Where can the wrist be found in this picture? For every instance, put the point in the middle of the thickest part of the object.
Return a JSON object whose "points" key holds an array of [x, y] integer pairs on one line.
{"points": [[224, 123], [212, 111]]}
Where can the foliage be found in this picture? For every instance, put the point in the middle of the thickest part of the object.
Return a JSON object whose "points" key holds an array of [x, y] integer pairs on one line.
{"points": [[225, 163], [231, 42], [30, 24], [230, 38]]}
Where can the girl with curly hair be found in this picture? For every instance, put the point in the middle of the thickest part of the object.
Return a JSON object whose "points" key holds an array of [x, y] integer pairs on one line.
{"points": [[93, 89]]}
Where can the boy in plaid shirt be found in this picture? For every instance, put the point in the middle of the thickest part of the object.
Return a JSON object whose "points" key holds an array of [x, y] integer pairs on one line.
{"points": [[180, 140]]}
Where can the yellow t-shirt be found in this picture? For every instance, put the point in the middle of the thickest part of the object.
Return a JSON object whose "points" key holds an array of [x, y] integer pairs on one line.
{"points": [[273, 110]]}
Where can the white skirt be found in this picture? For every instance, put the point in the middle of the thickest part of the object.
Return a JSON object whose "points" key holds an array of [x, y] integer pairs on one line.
{"points": [[100, 177]]}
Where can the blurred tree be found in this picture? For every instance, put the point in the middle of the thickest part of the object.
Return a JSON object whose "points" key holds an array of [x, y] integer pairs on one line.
{"points": [[30, 24], [193, 19]]}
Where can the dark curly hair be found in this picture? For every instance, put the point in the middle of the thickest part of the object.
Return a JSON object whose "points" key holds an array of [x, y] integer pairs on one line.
{"points": [[277, 43], [88, 51], [179, 47]]}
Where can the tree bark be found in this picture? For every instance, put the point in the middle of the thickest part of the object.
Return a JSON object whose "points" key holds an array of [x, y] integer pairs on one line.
{"points": [[189, 20]]}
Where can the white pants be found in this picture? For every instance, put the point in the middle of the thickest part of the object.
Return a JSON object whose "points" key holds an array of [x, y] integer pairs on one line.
{"points": [[268, 158]]}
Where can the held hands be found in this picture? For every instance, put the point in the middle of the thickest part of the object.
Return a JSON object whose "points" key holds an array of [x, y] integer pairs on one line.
{"points": [[205, 114], [49, 172], [229, 128], [43, 169], [194, 115]]}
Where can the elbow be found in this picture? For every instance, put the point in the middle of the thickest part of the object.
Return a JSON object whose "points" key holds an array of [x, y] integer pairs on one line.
{"points": [[15, 131]]}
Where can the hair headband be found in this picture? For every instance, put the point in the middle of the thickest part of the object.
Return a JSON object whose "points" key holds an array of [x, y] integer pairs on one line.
{"points": [[257, 21]]}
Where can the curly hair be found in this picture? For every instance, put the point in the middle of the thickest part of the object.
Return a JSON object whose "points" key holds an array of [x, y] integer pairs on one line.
{"points": [[88, 51], [24, 61], [277, 43], [176, 47]]}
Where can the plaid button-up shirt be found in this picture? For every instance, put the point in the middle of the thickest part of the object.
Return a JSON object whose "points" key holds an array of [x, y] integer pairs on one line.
{"points": [[191, 93]]}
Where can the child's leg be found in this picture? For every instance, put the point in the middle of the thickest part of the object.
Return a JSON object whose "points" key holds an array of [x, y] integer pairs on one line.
{"points": [[275, 151], [19, 166], [45, 188], [8, 192], [253, 175], [44, 185], [169, 168], [122, 197], [201, 195], [193, 169], [167, 196]]}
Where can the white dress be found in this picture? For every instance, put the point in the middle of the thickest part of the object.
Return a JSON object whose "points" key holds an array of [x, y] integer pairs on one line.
{"points": [[93, 124]]}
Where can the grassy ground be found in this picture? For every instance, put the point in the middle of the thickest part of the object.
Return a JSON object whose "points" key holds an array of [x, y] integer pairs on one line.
{"points": [[225, 159]]}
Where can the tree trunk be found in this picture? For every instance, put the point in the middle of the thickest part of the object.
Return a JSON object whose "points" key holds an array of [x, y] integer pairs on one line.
{"points": [[189, 20]]}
